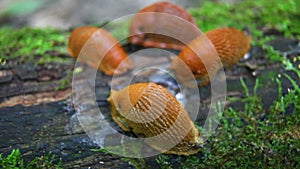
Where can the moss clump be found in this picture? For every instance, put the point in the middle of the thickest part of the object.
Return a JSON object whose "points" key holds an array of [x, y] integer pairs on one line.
{"points": [[14, 160], [27, 44], [253, 137], [281, 14]]}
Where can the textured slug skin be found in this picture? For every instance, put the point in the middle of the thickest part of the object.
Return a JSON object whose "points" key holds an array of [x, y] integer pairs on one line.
{"points": [[148, 110], [101, 44], [140, 25], [230, 44]]}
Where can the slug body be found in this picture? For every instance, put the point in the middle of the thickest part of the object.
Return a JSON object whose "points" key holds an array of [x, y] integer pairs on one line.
{"points": [[99, 44], [228, 43], [149, 110], [153, 29]]}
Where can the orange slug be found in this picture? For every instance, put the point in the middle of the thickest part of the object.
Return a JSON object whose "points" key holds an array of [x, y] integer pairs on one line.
{"points": [[141, 26], [230, 44], [149, 110], [100, 44]]}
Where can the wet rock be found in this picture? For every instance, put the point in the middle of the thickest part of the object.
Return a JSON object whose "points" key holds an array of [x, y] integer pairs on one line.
{"points": [[283, 44]]}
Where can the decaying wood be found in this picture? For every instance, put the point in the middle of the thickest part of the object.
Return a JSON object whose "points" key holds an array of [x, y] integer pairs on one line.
{"points": [[37, 118], [37, 98]]}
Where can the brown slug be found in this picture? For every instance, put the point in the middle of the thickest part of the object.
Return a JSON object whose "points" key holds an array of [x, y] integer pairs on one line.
{"points": [[101, 45], [148, 30], [149, 110], [228, 43]]}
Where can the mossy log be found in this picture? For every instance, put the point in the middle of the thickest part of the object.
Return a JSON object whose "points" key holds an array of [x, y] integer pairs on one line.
{"points": [[37, 129]]}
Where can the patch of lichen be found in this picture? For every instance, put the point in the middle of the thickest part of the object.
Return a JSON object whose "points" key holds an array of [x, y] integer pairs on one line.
{"points": [[281, 15], [33, 45]]}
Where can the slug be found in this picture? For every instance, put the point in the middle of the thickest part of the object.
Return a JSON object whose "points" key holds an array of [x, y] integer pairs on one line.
{"points": [[99, 45], [149, 110], [155, 30], [230, 44]]}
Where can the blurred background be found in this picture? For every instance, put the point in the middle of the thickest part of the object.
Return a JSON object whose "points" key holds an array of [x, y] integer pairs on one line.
{"points": [[64, 14]]}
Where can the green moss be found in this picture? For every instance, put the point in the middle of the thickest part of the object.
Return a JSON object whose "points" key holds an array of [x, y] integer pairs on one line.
{"points": [[38, 45], [163, 161], [274, 56], [281, 14], [119, 30], [253, 137], [138, 163], [14, 161]]}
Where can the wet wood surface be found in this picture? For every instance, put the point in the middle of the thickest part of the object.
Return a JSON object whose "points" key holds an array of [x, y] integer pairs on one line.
{"points": [[37, 128]]}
